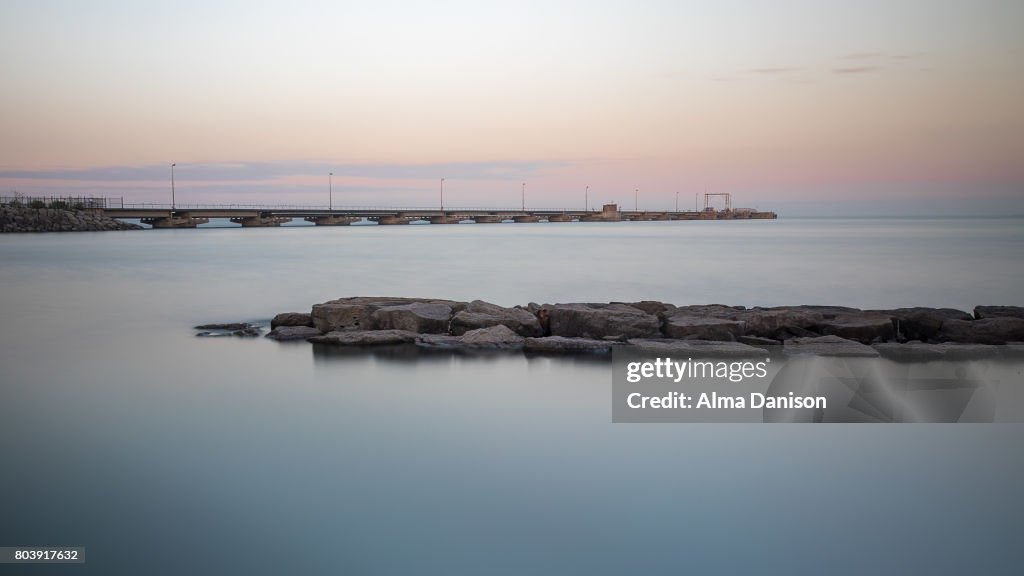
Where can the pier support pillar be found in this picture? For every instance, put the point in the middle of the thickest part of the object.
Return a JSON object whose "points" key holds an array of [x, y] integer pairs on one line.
{"points": [[490, 219], [175, 221], [560, 218], [526, 219], [444, 220], [261, 221], [392, 220], [331, 220]]}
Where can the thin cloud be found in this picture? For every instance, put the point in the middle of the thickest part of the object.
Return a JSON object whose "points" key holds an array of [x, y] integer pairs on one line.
{"points": [[229, 171], [773, 70], [856, 69], [862, 56]]}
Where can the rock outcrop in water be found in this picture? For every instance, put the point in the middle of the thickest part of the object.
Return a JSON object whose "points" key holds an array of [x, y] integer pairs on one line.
{"points": [[712, 329], [17, 218]]}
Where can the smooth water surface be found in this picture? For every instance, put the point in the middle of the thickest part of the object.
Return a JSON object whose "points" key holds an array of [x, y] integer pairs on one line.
{"points": [[163, 453]]}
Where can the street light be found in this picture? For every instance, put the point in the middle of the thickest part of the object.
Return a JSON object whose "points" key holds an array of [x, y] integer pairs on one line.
{"points": [[172, 186], [586, 199], [677, 201], [442, 195], [330, 191], [636, 200], [524, 197]]}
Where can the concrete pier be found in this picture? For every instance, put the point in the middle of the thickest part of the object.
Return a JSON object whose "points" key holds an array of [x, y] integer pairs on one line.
{"points": [[261, 221], [183, 220], [331, 220]]}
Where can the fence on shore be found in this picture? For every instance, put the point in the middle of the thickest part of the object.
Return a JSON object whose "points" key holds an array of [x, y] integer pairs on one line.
{"points": [[63, 202]]}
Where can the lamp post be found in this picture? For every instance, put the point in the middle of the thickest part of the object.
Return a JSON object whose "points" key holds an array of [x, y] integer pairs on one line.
{"points": [[330, 191], [636, 200], [677, 201], [442, 196], [586, 199], [524, 197], [172, 186]]}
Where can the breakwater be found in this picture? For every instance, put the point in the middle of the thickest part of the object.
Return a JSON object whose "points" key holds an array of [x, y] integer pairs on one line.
{"points": [[19, 218], [920, 333]]}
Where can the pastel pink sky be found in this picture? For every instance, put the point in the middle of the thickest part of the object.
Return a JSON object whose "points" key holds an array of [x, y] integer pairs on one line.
{"points": [[815, 107]]}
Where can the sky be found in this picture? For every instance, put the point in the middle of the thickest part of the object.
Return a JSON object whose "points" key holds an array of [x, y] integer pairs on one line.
{"points": [[803, 107]]}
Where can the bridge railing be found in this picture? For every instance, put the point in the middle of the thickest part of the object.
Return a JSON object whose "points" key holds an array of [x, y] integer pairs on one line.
{"points": [[324, 208]]}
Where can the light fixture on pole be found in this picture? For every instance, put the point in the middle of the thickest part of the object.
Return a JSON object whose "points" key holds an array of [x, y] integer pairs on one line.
{"points": [[636, 200], [524, 197], [677, 201], [586, 199], [330, 191], [442, 195], [172, 186]]}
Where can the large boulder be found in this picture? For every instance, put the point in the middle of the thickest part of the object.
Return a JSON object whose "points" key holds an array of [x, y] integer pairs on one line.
{"points": [[921, 323], [997, 330], [365, 337], [862, 327], [685, 326], [291, 319], [357, 313], [282, 333], [598, 321], [480, 314], [420, 317], [982, 312], [499, 336], [770, 322]]}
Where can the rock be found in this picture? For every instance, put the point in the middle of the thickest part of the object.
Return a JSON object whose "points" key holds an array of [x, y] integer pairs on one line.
{"points": [[697, 348], [419, 317], [759, 341], [291, 319], [480, 314], [282, 333], [996, 330], [652, 307], [365, 337], [921, 352], [790, 332], [702, 328], [441, 341], [983, 312], [499, 336], [862, 327], [827, 346], [357, 313], [563, 345], [598, 321], [227, 326], [921, 323], [769, 322]]}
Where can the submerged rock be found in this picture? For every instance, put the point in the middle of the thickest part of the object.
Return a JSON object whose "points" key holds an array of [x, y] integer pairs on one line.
{"points": [[365, 337], [241, 329], [697, 348], [921, 323], [563, 345], [282, 333], [827, 346]]}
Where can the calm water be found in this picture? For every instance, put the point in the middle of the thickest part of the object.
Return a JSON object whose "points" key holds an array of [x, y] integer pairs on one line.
{"points": [[167, 454]]}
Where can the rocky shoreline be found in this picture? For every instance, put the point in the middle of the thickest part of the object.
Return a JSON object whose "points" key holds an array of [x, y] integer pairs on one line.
{"points": [[710, 330], [15, 218]]}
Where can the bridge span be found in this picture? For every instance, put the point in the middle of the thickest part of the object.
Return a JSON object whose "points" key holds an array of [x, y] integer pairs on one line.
{"points": [[264, 216]]}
